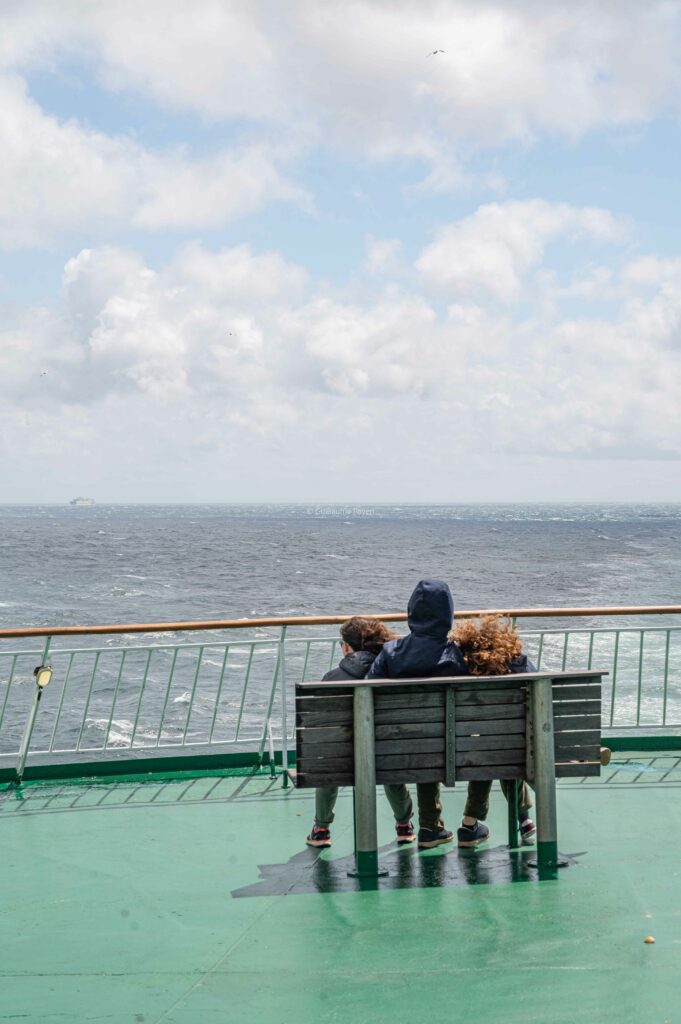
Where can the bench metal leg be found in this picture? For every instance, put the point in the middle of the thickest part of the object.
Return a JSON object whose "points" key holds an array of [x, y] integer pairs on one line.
{"points": [[513, 843], [366, 836], [545, 778]]}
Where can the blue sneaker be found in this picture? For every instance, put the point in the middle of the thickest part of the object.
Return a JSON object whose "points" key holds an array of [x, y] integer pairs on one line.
{"points": [[430, 837], [472, 835]]}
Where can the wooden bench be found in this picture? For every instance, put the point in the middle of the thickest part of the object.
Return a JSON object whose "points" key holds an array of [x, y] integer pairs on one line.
{"points": [[538, 726]]}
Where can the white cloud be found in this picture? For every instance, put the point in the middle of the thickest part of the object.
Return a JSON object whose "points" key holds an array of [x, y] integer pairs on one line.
{"points": [[195, 327], [656, 316], [91, 278], [492, 250], [56, 177], [382, 255], [34, 352], [222, 351], [241, 364], [355, 76], [238, 274], [384, 349], [183, 192], [59, 177], [221, 60]]}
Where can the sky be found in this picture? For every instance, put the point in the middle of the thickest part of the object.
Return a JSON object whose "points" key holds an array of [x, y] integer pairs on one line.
{"points": [[253, 251]]}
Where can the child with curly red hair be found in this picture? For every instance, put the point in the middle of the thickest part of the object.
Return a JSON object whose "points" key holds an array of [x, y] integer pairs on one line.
{"points": [[491, 647]]}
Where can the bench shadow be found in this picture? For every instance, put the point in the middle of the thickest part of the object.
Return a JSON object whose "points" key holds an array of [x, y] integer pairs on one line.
{"points": [[309, 872]]}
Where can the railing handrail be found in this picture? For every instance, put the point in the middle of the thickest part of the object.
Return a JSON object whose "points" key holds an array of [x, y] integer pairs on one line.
{"points": [[328, 620]]}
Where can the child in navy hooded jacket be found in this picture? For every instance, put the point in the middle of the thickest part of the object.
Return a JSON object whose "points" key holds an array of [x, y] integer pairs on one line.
{"points": [[424, 652]]}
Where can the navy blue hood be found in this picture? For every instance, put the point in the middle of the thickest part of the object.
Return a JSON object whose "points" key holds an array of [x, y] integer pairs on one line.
{"points": [[424, 651], [431, 608]]}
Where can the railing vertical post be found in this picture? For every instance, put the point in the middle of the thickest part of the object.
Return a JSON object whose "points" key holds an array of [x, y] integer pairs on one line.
{"points": [[540, 651], [545, 776], [61, 704], [243, 692], [10, 680], [640, 679], [28, 732], [270, 702], [219, 693], [614, 676], [366, 849], [307, 658], [284, 717], [270, 743], [666, 679]]}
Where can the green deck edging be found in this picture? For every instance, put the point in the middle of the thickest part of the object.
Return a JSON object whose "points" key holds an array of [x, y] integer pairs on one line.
{"points": [[134, 767], [642, 742], [176, 764]]}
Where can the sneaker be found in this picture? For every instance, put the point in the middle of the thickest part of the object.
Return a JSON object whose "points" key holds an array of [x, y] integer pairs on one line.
{"points": [[472, 835], [319, 836], [528, 832], [405, 833], [430, 837]]}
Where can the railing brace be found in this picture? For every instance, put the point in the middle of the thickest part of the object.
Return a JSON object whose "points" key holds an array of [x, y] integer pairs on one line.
{"points": [[284, 719], [43, 674]]}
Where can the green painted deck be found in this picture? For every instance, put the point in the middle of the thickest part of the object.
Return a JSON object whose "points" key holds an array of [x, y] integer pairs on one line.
{"points": [[195, 900]]}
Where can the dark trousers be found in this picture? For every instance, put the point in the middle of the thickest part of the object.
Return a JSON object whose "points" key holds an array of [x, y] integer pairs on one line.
{"points": [[477, 804], [430, 808], [427, 795], [398, 797]]}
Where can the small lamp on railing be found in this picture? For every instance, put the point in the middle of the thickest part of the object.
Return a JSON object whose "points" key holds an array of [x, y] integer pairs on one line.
{"points": [[43, 674]]}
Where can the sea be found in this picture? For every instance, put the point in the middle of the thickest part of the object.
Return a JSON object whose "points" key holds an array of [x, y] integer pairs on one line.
{"points": [[114, 564], [147, 563]]}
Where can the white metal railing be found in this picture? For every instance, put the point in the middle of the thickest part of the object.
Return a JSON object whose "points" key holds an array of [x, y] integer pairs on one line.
{"points": [[234, 689]]}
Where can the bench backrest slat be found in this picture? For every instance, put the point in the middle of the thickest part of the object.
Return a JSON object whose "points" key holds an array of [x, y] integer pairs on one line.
{"points": [[490, 734]]}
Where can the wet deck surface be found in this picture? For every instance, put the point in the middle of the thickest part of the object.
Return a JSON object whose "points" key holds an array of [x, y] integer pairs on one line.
{"points": [[195, 900]]}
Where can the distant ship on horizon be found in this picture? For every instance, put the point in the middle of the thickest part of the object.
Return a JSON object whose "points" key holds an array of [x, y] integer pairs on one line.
{"points": [[82, 502]]}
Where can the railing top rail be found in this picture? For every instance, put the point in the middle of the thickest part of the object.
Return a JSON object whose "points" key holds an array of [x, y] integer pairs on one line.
{"points": [[327, 620]]}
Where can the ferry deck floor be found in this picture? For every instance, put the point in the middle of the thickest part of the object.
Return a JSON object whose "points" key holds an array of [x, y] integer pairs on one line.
{"points": [[191, 900]]}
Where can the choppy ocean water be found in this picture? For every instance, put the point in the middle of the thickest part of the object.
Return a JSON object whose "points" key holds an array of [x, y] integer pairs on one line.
{"points": [[148, 563], [116, 564]]}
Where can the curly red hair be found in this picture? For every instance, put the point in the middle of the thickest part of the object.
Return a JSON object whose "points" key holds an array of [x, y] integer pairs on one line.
{"points": [[488, 644]]}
